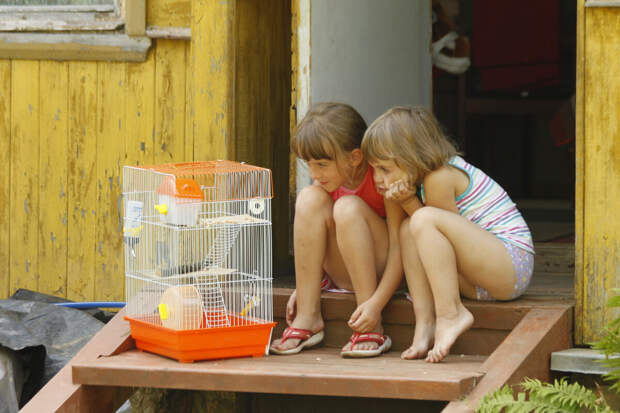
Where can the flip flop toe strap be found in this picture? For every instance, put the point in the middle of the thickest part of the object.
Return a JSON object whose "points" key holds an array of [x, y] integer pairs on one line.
{"points": [[367, 337], [296, 333]]}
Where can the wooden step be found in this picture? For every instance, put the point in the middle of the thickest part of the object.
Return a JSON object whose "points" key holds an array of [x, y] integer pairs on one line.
{"points": [[313, 372], [508, 341], [493, 321]]}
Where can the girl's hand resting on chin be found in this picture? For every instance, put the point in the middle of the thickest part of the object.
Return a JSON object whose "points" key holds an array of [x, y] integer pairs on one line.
{"points": [[401, 191]]}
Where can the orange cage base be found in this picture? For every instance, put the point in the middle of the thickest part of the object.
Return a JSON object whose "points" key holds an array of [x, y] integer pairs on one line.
{"points": [[188, 346]]}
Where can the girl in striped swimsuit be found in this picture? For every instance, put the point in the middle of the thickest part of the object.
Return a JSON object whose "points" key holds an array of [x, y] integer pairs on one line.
{"points": [[466, 236]]}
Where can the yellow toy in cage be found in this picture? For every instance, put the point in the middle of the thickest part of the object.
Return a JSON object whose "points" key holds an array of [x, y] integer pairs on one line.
{"points": [[198, 263]]}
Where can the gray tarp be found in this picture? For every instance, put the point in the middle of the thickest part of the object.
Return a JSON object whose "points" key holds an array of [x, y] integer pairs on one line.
{"points": [[44, 337]]}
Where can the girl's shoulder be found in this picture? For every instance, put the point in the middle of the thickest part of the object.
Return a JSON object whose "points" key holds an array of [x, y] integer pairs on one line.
{"points": [[443, 177]]}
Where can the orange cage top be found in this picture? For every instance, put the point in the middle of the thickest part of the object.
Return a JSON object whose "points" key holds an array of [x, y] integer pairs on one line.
{"points": [[218, 168]]}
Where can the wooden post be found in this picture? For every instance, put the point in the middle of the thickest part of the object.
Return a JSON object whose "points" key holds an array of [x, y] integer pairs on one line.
{"points": [[598, 168], [135, 18]]}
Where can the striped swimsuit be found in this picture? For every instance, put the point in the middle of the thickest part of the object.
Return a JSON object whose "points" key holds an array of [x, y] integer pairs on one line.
{"points": [[486, 204]]}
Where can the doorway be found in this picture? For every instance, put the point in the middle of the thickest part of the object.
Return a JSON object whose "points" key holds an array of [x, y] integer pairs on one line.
{"points": [[511, 110]]}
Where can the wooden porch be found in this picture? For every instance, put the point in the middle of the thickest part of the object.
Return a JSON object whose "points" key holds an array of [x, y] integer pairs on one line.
{"points": [[508, 341]]}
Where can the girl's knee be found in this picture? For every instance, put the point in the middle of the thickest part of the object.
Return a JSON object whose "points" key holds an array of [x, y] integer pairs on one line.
{"points": [[421, 220], [347, 209], [313, 199]]}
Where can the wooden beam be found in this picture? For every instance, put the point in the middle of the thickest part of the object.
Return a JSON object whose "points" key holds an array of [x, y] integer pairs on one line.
{"points": [[526, 352], [74, 47], [176, 33], [60, 394], [579, 171], [601, 171], [135, 17]]}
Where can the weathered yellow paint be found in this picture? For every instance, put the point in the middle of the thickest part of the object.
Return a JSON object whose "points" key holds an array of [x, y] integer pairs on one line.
{"points": [[168, 13], [82, 174], [95, 118], [5, 174], [292, 184], [189, 104], [579, 171], [212, 61], [111, 130], [24, 204], [140, 112], [170, 95], [177, 105], [52, 185], [601, 169]]}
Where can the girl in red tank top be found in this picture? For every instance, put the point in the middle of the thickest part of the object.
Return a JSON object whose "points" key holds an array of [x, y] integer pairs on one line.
{"points": [[340, 231]]}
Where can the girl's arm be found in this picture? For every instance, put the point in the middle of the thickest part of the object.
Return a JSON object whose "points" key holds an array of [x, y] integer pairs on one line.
{"points": [[441, 188], [393, 273], [367, 314]]}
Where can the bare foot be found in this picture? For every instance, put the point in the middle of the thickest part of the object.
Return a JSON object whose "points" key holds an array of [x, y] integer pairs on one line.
{"points": [[448, 328], [316, 325], [366, 345], [422, 341]]}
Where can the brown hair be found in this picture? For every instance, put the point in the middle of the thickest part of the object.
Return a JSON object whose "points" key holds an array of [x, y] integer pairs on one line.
{"points": [[328, 131], [412, 138]]}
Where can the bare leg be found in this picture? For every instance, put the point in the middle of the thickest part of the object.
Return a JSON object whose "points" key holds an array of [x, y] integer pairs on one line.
{"points": [[449, 244], [362, 242], [421, 294], [312, 226]]}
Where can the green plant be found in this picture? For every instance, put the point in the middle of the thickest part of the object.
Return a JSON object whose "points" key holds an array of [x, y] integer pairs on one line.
{"points": [[559, 397], [610, 344], [562, 396]]}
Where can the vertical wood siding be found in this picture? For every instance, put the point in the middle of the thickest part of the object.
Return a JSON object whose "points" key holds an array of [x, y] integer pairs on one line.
{"points": [[66, 130], [5, 176], [24, 189]]}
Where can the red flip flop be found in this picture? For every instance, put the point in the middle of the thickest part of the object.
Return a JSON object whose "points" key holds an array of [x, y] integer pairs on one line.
{"points": [[384, 342], [307, 337]]}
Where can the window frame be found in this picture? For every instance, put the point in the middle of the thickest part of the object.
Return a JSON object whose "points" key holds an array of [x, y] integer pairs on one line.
{"points": [[56, 18], [75, 32]]}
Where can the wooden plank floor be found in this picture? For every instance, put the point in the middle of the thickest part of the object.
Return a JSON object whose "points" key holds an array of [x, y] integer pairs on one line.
{"points": [[313, 372], [515, 334]]}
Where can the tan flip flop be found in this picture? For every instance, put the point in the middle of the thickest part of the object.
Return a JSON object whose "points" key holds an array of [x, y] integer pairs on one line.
{"points": [[307, 337]]}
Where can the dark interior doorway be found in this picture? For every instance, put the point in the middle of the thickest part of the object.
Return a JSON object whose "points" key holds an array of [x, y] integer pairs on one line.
{"points": [[512, 110]]}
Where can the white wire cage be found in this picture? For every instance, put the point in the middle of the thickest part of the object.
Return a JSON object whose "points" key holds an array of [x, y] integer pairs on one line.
{"points": [[198, 245]]}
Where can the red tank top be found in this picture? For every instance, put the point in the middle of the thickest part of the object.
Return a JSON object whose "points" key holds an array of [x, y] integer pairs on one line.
{"points": [[366, 191]]}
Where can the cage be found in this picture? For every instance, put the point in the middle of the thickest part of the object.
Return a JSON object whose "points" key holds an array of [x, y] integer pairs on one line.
{"points": [[198, 259]]}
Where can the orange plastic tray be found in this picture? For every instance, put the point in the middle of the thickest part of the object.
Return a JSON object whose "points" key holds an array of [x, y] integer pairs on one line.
{"points": [[188, 346]]}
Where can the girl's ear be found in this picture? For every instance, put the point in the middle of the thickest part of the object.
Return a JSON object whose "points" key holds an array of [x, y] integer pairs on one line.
{"points": [[357, 157]]}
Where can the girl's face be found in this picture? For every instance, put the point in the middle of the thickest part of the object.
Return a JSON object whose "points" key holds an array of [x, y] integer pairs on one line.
{"points": [[386, 172], [326, 173]]}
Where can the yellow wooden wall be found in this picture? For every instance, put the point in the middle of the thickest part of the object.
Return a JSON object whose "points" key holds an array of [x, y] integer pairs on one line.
{"points": [[67, 129], [598, 169]]}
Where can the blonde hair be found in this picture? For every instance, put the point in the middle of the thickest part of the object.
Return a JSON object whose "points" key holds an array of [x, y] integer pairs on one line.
{"points": [[328, 131], [412, 138]]}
